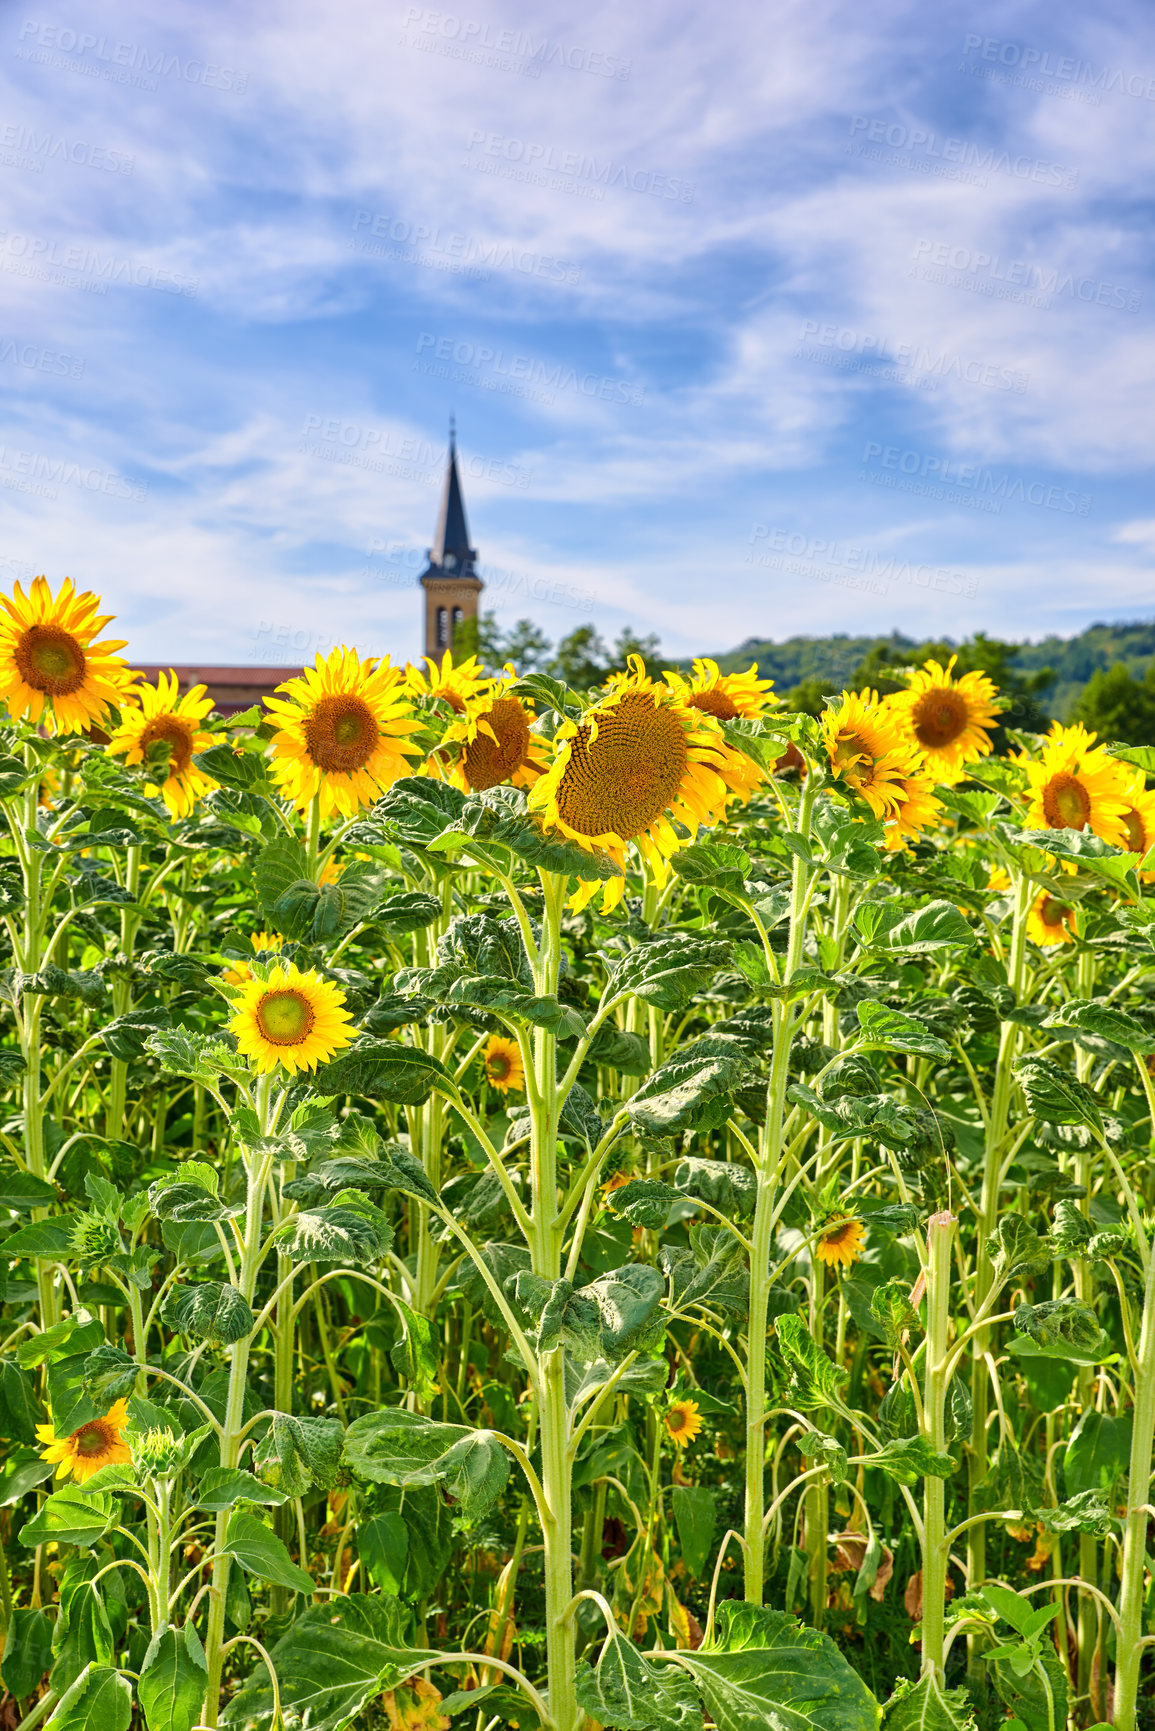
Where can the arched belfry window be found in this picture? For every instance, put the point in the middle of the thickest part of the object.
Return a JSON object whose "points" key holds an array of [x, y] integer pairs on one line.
{"points": [[442, 628], [458, 617]]}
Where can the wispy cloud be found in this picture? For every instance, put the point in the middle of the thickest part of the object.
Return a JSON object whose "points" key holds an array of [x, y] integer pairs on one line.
{"points": [[848, 277]]}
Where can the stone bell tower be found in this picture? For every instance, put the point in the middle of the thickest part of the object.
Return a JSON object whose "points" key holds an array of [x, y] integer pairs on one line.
{"points": [[452, 587]]}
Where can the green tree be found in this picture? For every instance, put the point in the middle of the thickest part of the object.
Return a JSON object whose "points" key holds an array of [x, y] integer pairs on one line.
{"points": [[581, 658], [527, 646], [1115, 705]]}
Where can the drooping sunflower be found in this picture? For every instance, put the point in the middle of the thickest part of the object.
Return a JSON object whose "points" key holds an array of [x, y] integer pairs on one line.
{"points": [[99, 1443], [504, 1070], [1051, 921], [1075, 785], [161, 716], [49, 661], [344, 727], [949, 720], [683, 1421], [840, 1241], [867, 750], [1139, 819], [490, 743], [917, 810], [241, 972], [639, 762], [291, 1018], [725, 696], [457, 686]]}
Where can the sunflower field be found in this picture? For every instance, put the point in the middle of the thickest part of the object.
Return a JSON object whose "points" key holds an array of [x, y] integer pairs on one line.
{"points": [[552, 1209]]}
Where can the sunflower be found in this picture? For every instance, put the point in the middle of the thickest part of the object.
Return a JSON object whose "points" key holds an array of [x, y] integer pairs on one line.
{"points": [[683, 1421], [1075, 785], [1139, 819], [840, 1241], [291, 1018], [867, 750], [504, 1069], [638, 763], [99, 1443], [1051, 921], [917, 810], [240, 972], [343, 727], [725, 696], [456, 686], [48, 659], [946, 718], [491, 743], [160, 716]]}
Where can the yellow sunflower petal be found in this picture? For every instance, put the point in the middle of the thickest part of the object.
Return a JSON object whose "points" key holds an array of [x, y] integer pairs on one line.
{"points": [[344, 729], [160, 716], [293, 1019], [50, 664]]}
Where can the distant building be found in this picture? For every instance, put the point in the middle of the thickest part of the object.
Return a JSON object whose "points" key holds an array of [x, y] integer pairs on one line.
{"points": [[452, 586], [232, 689], [452, 590]]}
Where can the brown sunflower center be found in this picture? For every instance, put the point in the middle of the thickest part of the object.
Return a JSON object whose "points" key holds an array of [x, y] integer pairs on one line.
{"points": [[1054, 913], [454, 698], [489, 761], [1066, 802], [341, 733], [627, 776], [92, 1439], [50, 659], [285, 1018], [177, 735], [677, 1418], [500, 1066], [939, 718], [1136, 831], [715, 702]]}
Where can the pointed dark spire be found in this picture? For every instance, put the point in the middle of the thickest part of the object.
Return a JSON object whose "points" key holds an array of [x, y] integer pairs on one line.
{"points": [[451, 551]]}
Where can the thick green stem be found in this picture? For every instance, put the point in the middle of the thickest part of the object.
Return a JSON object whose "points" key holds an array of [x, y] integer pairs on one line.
{"points": [[769, 1165], [258, 1176], [817, 1495], [1131, 1596], [984, 1274], [545, 1249], [122, 1001], [939, 1241]]}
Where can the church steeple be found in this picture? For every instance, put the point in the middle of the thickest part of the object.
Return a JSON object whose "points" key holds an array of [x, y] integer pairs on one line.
{"points": [[451, 585], [451, 550]]}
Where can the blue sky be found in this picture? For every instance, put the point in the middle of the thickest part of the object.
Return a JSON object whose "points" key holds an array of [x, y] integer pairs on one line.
{"points": [[797, 316]]}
